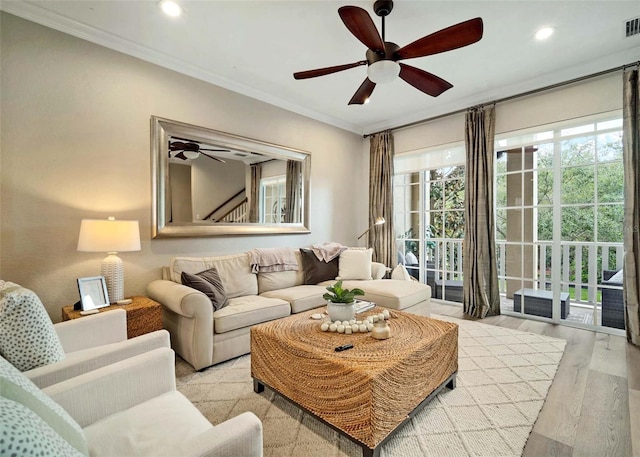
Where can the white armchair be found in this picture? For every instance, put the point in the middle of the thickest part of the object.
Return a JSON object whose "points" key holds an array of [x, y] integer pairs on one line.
{"points": [[93, 342], [132, 407]]}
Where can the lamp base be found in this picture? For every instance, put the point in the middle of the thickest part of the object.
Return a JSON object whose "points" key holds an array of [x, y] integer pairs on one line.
{"points": [[113, 272]]}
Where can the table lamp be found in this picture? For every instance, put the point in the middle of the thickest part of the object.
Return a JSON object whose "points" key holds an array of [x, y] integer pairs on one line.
{"points": [[111, 236]]}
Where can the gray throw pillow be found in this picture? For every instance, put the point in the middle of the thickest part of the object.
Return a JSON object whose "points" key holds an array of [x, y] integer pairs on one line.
{"points": [[209, 283], [316, 270]]}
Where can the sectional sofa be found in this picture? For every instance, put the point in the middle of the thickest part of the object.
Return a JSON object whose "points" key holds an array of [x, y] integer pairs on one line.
{"points": [[204, 335]]}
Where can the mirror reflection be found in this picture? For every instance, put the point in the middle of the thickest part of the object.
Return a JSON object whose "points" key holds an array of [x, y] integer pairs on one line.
{"points": [[213, 183]]}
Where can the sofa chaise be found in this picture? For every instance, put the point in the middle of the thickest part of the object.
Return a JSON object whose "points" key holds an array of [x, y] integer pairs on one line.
{"points": [[204, 336]]}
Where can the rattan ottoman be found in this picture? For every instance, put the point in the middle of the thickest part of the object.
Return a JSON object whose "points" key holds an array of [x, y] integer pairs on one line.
{"points": [[366, 393]]}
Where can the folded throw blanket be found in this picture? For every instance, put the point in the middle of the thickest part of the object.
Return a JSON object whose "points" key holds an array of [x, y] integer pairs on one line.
{"points": [[273, 259], [328, 251]]}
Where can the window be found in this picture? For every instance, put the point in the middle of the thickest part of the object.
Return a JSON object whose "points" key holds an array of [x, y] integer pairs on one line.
{"points": [[559, 209], [429, 217], [559, 214], [272, 195]]}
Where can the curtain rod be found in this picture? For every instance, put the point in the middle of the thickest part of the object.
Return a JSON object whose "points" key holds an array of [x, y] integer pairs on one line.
{"points": [[511, 97]]}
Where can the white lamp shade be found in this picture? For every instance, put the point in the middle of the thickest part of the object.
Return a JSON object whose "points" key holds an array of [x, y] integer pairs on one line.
{"points": [[191, 154], [383, 71], [102, 235]]}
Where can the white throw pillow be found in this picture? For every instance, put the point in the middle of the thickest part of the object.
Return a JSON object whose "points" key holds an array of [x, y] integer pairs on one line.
{"points": [[355, 264], [27, 337], [618, 277], [401, 273]]}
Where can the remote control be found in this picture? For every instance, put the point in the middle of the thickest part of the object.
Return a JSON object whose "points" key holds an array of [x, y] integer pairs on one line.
{"points": [[344, 347]]}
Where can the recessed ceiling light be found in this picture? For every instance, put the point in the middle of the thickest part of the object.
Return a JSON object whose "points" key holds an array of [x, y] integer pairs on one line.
{"points": [[171, 8], [544, 33]]}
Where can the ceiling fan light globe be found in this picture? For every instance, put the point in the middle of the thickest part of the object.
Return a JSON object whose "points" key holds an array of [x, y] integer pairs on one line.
{"points": [[191, 154], [383, 71]]}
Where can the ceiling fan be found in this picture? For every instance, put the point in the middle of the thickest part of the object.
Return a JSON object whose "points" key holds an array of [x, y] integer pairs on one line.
{"points": [[382, 56], [189, 149]]}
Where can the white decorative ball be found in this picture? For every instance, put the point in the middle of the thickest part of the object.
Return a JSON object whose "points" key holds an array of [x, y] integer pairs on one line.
{"points": [[369, 327], [363, 328], [381, 317], [385, 313], [324, 327], [333, 327], [338, 322], [375, 318], [340, 328], [355, 328]]}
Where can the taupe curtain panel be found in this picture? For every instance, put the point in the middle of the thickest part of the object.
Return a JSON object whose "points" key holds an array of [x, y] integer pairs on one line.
{"points": [[382, 237], [480, 272], [254, 192], [293, 189], [631, 160]]}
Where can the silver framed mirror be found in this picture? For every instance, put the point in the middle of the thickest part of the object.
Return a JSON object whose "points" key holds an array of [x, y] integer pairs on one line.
{"points": [[210, 183]]}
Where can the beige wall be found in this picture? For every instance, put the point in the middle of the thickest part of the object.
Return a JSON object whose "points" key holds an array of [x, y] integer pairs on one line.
{"points": [[75, 133], [591, 96]]}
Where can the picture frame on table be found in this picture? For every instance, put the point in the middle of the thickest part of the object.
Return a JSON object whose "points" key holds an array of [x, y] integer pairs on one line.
{"points": [[93, 293]]}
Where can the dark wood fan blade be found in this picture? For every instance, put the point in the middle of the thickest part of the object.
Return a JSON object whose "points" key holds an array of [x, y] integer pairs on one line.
{"points": [[212, 157], [181, 155], [176, 146], [362, 27], [453, 37], [327, 70], [363, 93], [215, 150], [426, 82], [191, 147]]}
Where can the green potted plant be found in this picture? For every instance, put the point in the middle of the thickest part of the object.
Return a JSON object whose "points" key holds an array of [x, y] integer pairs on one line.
{"points": [[340, 302]]}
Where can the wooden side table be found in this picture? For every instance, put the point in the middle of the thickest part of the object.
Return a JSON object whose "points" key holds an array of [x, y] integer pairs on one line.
{"points": [[143, 315]]}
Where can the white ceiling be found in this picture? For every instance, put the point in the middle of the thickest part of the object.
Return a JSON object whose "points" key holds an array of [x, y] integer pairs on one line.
{"points": [[254, 47]]}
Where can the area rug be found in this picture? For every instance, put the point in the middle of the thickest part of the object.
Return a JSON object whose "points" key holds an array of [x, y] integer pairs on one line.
{"points": [[503, 379]]}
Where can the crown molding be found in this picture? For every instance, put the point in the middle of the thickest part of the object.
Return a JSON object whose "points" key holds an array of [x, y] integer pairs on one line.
{"points": [[39, 15]]}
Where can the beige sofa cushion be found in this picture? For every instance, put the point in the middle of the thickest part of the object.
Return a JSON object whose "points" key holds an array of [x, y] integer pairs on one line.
{"points": [[301, 298], [281, 279], [234, 271], [248, 310], [390, 293]]}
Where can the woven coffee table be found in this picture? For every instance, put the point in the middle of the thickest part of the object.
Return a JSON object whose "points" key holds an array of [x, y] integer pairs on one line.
{"points": [[365, 393]]}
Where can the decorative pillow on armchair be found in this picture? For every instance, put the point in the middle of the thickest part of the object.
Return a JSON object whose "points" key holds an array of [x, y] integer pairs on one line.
{"points": [[209, 283], [355, 264], [27, 337], [32, 423], [316, 270]]}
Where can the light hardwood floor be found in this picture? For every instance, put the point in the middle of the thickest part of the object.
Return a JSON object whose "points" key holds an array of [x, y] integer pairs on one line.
{"points": [[593, 405]]}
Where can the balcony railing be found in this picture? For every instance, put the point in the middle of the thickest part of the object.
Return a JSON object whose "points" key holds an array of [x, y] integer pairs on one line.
{"points": [[529, 265]]}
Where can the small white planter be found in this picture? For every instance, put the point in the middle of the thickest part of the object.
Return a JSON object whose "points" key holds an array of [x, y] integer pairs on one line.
{"points": [[341, 311]]}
